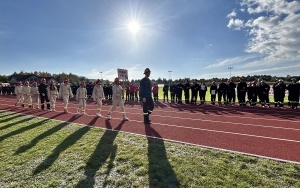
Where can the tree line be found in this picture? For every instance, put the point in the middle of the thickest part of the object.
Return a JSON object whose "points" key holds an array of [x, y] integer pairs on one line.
{"points": [[76, 78]]}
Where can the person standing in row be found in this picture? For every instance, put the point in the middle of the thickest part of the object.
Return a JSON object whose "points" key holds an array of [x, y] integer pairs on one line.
{"points": [[98, 96], [35, 95], [264, 89], [222, 92], [19, 93], [173, 92], [202, 93], [187, 87], [43, 94], [179, 89], [166, 92], [27, 95], [81, 96], [294, 89], [65, 92], [194, 88], [52, 93], [231, 92], [145, 90], [241, 91], [155, 92], [213, 92], [279, 92], [117, 100]]}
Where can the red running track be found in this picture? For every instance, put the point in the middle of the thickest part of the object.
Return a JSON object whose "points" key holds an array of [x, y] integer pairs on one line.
{"points": [[263, 132]]}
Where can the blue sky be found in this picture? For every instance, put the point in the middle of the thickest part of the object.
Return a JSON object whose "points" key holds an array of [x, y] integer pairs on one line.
{"points": [[191, 38]]}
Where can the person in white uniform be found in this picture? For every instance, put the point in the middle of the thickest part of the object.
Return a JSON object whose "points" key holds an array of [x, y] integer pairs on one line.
{"points": [[27, 95], [65, 92], [52, 93], [81, 96], [98, 96], [19, 93], [117, 100]]}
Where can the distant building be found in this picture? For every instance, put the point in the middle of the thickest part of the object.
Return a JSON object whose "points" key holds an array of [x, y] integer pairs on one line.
{"points": [[30, 78]]}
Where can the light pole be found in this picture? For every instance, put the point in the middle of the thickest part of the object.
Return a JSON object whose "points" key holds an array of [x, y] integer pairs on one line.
{"points": [[101, 75], [230, 71], [169, 74]]}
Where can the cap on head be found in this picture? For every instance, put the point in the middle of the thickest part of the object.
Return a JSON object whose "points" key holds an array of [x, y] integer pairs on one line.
{"points": [[116, 80], [34, 83], [147, 70], [43, 80], [66, 80], [98, 82]]}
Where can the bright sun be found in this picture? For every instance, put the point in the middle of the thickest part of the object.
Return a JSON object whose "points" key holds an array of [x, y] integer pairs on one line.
{"points": [[134, 27]]}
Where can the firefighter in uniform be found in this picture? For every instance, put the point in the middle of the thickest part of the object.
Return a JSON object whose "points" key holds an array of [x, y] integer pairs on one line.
{"points": [[263, 90], [44, 95], [173, 90], [187, 87], [166, 92], [222, 92], [279, 92], [194, 88], [202, 93], [241, 91], [179, 89], [145, 90], [294, 89], [231, 92], [213, 92]]}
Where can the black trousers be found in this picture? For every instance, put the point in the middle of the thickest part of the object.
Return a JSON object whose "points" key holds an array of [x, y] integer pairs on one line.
{"points": [[44, 98], [148, 106]]}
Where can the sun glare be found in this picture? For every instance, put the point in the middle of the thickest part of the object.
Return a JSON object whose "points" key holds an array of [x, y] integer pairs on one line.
{"points": [[133, 27]]}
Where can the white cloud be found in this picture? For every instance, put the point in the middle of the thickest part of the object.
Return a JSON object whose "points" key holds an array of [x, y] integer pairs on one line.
{"points": [[232, 61], [273, 28], [232, 14]]}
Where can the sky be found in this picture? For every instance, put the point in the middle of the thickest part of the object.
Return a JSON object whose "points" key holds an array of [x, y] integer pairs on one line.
{"points": [[174, 38]]}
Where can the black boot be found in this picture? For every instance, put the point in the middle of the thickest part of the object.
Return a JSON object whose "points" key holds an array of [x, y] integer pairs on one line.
{"points": [[146, 119]]}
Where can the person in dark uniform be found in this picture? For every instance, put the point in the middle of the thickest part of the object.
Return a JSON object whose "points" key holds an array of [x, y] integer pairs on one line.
{"points": [[202, 93], [166, 92], [43, 94], [275, 93], [241, 91], [279, 91], [294, 89], [173, 90], [179, 89], [263, 91], [187, 87], [145, 90], [213, 92], [194, 90], [222, 92], [252, 93], [231, 92]]}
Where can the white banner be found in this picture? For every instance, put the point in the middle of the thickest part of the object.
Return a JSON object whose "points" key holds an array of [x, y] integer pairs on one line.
{"points": [[123, 74]]}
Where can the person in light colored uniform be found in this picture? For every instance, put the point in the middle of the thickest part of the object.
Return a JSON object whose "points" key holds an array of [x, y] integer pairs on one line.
{"points": [[26, 89], [19, 93], [35, 95], [65, 92], [52, 93], [81, 96], [98, 96], [117, 93]]}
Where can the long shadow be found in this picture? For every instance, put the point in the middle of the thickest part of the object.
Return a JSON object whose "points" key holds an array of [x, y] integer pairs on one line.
{"points": [[44, 135], [23, 129], [16, 123], [104, 150], [65, 144], [161, 173], [11, 117]]}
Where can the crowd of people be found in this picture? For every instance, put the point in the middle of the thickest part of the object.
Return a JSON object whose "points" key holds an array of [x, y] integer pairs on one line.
{"points": [[44, 95]]}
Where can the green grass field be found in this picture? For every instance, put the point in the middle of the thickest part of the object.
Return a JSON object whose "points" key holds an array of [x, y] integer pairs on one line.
{"points": [[37, 152]]}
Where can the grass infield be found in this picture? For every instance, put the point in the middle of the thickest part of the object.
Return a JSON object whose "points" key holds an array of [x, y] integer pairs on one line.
{"points": [[38, 152]]}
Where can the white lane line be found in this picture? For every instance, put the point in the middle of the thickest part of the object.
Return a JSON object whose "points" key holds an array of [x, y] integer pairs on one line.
{"points": [[214, 131], [176, 141], [243, 116]]}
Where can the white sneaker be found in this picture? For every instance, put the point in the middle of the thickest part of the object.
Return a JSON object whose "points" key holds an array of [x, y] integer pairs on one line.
{"points": [[108, 117], [84, 113], [50, 110], [98, 114], [125, 118]]}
